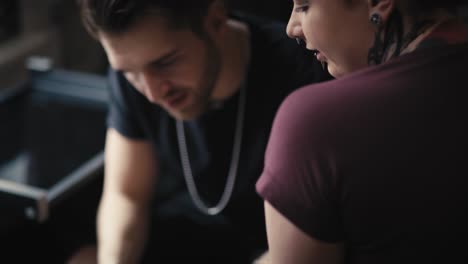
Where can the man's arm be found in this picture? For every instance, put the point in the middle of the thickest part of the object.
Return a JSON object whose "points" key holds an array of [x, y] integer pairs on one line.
{"points": [[288, 244], [129, 179]]}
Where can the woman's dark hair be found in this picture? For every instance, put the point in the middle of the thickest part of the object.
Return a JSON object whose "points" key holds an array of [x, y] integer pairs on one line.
{"points": [[419, 11], [116, 16], [417, 7]]}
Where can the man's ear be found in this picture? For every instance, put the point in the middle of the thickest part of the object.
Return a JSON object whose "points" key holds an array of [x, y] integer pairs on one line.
{"points": [[216, 17], [383, 8]]}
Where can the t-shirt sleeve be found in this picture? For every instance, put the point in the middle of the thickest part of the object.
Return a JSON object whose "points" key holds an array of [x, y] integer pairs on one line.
{"points": [[299, 177], [122, 114]]}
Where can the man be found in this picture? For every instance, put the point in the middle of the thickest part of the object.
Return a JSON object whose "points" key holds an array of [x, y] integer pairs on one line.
{"points": [[193, 94]]}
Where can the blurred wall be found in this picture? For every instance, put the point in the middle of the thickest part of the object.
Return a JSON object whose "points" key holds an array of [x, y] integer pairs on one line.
{"points": [[48, 28], [52, 28], [79, 51], [35, 37]]}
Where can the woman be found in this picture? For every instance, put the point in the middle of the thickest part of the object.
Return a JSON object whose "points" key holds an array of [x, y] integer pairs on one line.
{"points": [[369, 168]]}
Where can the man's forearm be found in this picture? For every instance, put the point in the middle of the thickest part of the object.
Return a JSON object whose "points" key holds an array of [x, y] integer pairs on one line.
{"points": [[122, 229]]}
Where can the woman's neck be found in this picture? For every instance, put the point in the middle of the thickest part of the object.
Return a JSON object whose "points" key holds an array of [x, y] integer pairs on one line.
{"points": [[415, 31], [439, 17]]}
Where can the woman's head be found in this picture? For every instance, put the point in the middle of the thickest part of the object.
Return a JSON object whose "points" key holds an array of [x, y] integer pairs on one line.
{"points": [[342, 32], [336, 29]]}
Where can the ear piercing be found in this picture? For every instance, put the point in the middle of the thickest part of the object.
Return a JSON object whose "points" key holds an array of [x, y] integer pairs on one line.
{"points": [[376, 19], [376, 52]]}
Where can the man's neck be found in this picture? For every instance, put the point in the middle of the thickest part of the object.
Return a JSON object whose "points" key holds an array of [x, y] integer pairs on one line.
{"points": [[235, 54]]}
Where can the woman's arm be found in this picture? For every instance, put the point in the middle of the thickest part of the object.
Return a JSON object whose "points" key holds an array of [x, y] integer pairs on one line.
{"points": [[288, 244]]}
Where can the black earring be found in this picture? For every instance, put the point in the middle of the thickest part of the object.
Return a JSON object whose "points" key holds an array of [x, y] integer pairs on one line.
{"points": [[376, 20], [375, 54]]}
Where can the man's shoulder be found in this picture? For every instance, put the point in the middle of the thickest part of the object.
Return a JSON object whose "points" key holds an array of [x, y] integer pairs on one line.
{"points": [[266, 34], [124, 95], [120, 88], [275, 56]]}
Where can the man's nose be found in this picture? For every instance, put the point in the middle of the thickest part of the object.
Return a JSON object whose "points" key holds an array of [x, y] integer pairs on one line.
{"points": [[155, 88]]}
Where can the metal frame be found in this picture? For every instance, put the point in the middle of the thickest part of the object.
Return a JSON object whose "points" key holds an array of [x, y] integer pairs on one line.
{"points": [[33, 202]]}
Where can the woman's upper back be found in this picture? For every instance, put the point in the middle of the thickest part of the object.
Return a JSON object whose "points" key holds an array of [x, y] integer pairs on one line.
{"points": [[382, 151]]}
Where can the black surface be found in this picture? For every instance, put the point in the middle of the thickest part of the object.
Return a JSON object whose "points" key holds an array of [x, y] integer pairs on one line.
{"points": [[55, 123], [44, 137], [9, 19]]}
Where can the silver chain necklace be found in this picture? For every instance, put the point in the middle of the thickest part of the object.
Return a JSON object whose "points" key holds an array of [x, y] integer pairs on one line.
{"points": [[187, 170]]}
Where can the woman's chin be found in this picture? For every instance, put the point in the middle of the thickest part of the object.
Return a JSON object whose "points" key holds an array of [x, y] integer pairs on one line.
{"points": [[334, 71]]}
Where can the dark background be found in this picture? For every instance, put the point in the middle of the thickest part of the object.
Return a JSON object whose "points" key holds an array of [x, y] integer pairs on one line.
{"points": [[9, 19], [52, 28], [56, 27]]}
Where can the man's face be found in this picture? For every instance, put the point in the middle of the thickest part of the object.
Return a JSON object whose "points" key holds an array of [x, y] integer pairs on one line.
{"points": [[175, 69]]}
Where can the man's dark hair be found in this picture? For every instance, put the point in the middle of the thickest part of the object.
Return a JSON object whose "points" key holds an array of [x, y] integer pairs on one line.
{"points": [[117, 16]]}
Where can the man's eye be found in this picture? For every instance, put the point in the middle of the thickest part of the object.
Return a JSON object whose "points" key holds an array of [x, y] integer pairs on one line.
{"points": [[165, 64]]}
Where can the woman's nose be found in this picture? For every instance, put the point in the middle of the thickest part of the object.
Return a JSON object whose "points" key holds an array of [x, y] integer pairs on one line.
{"points": [[293, 29]]}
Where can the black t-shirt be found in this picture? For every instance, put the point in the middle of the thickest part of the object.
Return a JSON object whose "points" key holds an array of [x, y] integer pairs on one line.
{"points": [[277, 67]]}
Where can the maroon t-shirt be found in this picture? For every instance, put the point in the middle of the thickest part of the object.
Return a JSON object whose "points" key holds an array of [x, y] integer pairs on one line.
{"points": [[379, 159]]}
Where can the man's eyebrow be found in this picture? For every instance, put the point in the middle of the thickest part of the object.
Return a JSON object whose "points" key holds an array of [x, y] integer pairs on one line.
{"points": [[156, 62]]}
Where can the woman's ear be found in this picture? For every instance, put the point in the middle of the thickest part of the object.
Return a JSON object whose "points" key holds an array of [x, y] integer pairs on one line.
{"points": [[383, 8]]}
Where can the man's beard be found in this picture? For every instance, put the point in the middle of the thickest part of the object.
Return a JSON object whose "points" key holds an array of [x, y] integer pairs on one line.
{"points": [[207, 85]]}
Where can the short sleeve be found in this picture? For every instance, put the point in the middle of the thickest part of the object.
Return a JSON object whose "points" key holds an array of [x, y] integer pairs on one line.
{"points": [[299, 178], [123, 115]]}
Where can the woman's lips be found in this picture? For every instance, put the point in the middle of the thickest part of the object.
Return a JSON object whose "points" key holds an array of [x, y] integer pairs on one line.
{"points": [[320, 56]]}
